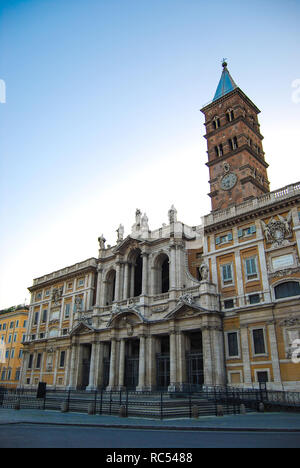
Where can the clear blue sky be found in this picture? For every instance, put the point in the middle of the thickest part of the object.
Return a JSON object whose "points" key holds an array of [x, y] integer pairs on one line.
{"points": [[102, 116]]}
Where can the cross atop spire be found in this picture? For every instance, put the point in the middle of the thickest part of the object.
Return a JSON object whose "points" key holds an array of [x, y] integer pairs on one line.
{"points": [[226, 83]]}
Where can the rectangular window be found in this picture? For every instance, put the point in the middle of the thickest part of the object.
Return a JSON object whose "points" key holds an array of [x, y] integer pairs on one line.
{"points": [[8, 374], [228, 304], [38, 361], [3, 374], [9, 338], [227, 273], [15, 337], [259, 341], [11, 325], [44, 315], [244, 232], [232, 341], [254, 298], [262, 376], [251, 268], [12, 353], [30, 361], [67, 310], [25, 324], [36, 318], [17, 377], [4, 326], [21, 353], [62, 359], [17, 323]]}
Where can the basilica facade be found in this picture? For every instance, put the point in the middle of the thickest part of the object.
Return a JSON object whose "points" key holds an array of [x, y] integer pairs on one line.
{"points": [[182, 306]]}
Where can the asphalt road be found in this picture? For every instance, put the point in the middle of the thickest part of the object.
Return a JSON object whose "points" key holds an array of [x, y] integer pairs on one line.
{"points": [[44, 436]]}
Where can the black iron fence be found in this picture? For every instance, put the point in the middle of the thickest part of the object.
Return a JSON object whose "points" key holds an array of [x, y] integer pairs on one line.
{"points": [[185, 403]]}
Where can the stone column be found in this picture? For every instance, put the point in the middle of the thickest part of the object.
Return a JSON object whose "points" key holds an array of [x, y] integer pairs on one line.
{"points": [[99, 293], [173, 361], [239, 278], [218, 352], [263, 263], [55, 365], [72, 382], [274, 352], [172, 267], [92, 383], [126, 281], [118, 281], [112, 367], [151, 362], [181, 359], [131, 292], [99, 365], [122, 364], [145, 273], [246, 354], [207, 356], [142, 367]]}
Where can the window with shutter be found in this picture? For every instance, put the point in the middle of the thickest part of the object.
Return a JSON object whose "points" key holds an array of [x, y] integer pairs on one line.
{"points": [[251, 268]]}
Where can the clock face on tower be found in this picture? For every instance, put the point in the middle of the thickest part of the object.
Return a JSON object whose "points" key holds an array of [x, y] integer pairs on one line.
{"points": [[228, 181]]}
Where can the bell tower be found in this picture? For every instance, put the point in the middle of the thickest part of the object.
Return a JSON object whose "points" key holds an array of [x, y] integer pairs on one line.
{"points": [[237, 167]]}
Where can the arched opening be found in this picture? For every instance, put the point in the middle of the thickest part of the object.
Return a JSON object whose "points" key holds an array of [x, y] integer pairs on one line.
{"points": [[135, 260], [110, 287], [162, 270], [138, 273], [287, 289]]}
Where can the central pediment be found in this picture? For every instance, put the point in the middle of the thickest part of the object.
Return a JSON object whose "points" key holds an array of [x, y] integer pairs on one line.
{"points": [[128, 243]]}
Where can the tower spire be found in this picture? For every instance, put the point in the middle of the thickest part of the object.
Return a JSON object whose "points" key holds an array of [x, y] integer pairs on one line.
{"points": [[226, 83]]}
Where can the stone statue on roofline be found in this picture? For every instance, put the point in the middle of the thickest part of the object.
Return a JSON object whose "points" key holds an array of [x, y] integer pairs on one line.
{"points": [[120, 233], [101, 241], [172, 213]]}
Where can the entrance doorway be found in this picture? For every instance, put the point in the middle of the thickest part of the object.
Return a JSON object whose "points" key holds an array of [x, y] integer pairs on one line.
{"points": [[131, 377], [163, 364], [84, 374], [194, 360]]}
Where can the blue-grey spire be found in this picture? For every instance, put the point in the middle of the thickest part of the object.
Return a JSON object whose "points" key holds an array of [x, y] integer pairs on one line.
{"points": [[226, 83]]}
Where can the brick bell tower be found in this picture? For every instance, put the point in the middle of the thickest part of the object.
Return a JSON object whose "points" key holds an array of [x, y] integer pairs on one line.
{"points": [[237, 167]]}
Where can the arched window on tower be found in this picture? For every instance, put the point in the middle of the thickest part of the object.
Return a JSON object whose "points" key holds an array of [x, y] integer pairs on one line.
{"points": [[233, 143], [216, 122], [219, 150], [230, 115]]}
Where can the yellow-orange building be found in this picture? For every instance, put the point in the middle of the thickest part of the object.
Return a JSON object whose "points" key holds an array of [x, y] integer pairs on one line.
{"points": [[13, 324]]}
